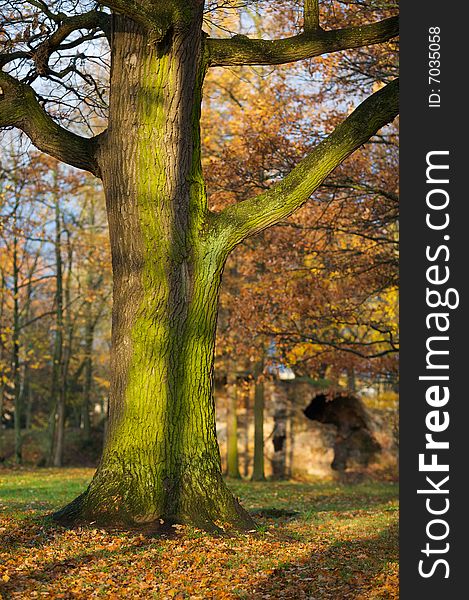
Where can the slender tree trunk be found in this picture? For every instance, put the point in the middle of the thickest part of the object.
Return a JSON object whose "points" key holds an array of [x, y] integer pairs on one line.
{"points": [[56, 412], [232, 455], [279, 436], [90, 323], [88, 372], [26, 388], [3, 353], [16, 347], [292, 392], [66, 321], [351, 380], [160, 459], [2, 396], [59, 431], [28, 410], [259, 469], [246, 394]]}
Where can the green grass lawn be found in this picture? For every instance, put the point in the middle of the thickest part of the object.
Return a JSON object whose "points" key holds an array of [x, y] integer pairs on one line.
{"points": [[314, 540]]}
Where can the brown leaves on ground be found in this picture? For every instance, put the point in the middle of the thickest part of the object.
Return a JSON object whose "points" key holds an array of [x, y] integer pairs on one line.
{"points": [[314, 541]]}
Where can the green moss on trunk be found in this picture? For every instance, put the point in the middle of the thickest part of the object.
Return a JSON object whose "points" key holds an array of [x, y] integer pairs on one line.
{"points": [[161, 460]]}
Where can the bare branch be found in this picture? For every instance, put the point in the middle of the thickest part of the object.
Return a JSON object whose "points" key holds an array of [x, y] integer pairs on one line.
{"points": [[90, 20], [241, 50], [19, 107], [42, 6]]}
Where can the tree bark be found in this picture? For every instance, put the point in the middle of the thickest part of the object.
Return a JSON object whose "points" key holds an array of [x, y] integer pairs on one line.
{"points": [[2, 345], [246, 391], [57, 410], [88, 371], [90, 324], [28, 398], [161, 460], [279, 435], [292, 393], [232, 455], [66, 322], [26, 388], [351, 380], [16, 372], [258, 473]]}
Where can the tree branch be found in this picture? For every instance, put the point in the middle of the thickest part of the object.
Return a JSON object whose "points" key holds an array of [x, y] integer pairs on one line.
{"points": [[19, 107], [42, 6], [90, 20], [155, 15], [236, 222], [341, 345], [134, 9], [241, 50], [41, 54]]}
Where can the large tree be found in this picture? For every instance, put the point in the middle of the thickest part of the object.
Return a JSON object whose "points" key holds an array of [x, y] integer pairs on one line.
{"points": [[161, 459]]}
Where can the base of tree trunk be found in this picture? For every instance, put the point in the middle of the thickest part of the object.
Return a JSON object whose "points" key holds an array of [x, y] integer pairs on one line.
{"points": [[212, 508]]}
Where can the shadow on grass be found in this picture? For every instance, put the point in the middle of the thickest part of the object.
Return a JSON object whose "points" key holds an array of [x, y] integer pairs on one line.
{"points": [[344, 570], [28, 531], [274, 513], [73, 565], [340, 571], [321, 507], [22, 508], [314, 497], [38, 530]]}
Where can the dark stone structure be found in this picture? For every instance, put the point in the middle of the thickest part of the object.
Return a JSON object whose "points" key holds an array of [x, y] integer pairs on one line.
{"points": [[354, 440]]}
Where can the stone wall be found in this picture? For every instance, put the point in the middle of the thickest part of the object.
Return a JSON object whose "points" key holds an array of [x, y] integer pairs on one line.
{"points": [[308, 449]]}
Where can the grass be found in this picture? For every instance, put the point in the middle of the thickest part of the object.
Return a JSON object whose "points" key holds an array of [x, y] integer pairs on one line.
{"points": [[314, 540]]}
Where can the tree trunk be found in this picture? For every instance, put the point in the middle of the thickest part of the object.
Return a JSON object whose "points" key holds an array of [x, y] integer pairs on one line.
{"points": [[28, 410], [85, 408], [3, 352], [232, 456], [351, 380], [16, 347], [279, 435], [292, 392], [258, 473], [160, 459], [66, 321], [57, 410], [246, 388], [59, 432], [90, 324], [2, 400], [26, 389]]}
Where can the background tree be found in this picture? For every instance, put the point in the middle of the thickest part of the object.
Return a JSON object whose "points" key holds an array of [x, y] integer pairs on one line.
{"points": [[44, 225], [161, 458], [23, 273], [322, 284]]}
